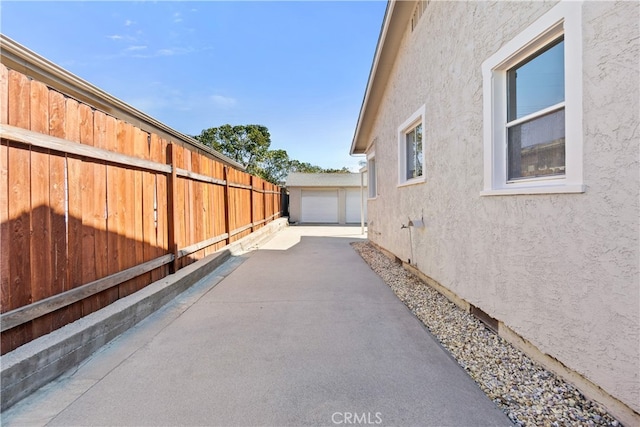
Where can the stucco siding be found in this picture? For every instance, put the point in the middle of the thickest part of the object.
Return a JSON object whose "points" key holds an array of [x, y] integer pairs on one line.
{"points": [[295, 204], [561, 270]]}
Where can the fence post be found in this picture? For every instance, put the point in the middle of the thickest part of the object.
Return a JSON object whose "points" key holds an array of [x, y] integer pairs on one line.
{"points": [[251, 206], [227, 205], [172, 189], [264, 201]]}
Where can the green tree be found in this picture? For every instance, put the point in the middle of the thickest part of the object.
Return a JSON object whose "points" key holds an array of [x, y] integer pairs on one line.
{"points": [[298, 166], [343, 169], [247, 145], [275, 167]]}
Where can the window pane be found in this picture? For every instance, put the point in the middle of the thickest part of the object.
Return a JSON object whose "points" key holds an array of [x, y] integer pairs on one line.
{"points": [[414, 152], [537, 83], [536, 147], [418, 150]]}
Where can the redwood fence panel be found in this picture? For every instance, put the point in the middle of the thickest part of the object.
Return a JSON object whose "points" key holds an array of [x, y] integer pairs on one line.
{"points": [[93, 208]]}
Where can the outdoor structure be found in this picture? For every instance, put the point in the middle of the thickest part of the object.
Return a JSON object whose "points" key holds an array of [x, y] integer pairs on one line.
{"points": [[99, 200], [326, 198], [503, 169]]}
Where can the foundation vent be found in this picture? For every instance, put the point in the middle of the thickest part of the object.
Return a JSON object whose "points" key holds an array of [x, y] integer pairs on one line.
{"points": [[488, 321]]}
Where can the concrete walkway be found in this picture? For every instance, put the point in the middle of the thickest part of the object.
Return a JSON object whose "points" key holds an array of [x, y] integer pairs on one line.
{"points": [[300, 332]]}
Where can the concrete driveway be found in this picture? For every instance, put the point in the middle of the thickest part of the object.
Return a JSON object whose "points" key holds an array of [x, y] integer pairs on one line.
{"points": [[300, 332]]}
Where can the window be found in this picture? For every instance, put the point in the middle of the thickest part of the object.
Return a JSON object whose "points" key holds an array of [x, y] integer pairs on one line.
{"points": [[372, 180], [411, 149], [533, 108], [535, 115], [413, 141]]}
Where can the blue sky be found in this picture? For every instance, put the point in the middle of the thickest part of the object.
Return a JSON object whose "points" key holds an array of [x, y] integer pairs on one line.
{"points": [[298, 67]]}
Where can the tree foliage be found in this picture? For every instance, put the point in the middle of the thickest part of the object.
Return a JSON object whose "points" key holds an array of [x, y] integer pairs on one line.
{"points": [[303, 167], [249, 146], [275, 167]]}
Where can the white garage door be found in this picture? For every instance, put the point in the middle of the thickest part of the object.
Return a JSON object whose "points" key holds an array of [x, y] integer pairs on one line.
{"points": [[319, 206], [353, 206]]}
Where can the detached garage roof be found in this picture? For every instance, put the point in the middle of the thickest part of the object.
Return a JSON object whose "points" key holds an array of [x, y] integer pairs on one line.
{"points": [[296, 179]]}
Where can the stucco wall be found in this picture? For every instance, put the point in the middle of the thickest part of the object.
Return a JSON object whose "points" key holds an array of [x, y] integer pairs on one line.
{"points": [[295, 203], [561, 270]]}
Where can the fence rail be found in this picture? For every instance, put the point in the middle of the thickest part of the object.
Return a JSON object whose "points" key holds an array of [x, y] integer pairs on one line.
{"points": [[93, 208]]}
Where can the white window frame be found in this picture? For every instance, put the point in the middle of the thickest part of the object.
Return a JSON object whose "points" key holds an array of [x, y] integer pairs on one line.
{"points": [[372, 176], [415, 119], [564, 19]]}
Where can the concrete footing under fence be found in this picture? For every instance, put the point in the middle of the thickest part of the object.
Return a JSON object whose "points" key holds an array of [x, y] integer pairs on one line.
{"points": [[40, 361]]}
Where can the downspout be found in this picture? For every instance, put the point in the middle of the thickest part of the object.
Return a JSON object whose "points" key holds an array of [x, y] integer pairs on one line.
{"points": [[413, 223]]}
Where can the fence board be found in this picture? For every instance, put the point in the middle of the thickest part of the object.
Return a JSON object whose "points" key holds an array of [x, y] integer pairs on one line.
{"points": [[253, 202], [217, 202], [237, 193], [220, 202], [19, 202], [18, 241], [74, 205], [4, 94], [172, 204], [57, 166], [139, 150], [210, 203], [4, 225], [125, 186], [207, 215], [162, 201], [109, 260], [98, 206], [5, 255], [90, 218], [19, 98], [179, 203], [115, 207], [154, 226], [196, 200], [40, 207], [188, 207], [148, 211]]}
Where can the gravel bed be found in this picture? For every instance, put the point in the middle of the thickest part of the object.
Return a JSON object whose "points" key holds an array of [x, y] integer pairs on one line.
{"points": [[528, 393]]}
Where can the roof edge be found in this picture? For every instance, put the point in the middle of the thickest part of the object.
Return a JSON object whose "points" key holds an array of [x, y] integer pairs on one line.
{"points": [[396, 15]]}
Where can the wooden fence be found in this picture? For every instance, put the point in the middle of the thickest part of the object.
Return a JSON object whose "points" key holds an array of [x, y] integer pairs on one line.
{"points": [[93, 208]]}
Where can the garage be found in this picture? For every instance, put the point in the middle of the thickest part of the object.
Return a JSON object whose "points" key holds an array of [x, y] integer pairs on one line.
{"points": [[325, 198], [319, 206], [353, 202]]}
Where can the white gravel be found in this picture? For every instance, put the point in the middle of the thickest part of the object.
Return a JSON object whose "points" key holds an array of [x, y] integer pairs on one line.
{"points": [[528, 393]]}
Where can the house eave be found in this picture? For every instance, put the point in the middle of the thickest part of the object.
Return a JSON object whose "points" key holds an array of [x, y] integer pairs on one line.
{"points": [[396, 18]]}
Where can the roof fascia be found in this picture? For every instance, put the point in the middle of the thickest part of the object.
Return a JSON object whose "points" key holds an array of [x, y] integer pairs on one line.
{"points": [[394, 25]]}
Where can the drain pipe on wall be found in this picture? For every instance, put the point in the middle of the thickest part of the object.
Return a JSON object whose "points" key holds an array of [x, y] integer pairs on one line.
{"points": [[413, 223]]}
